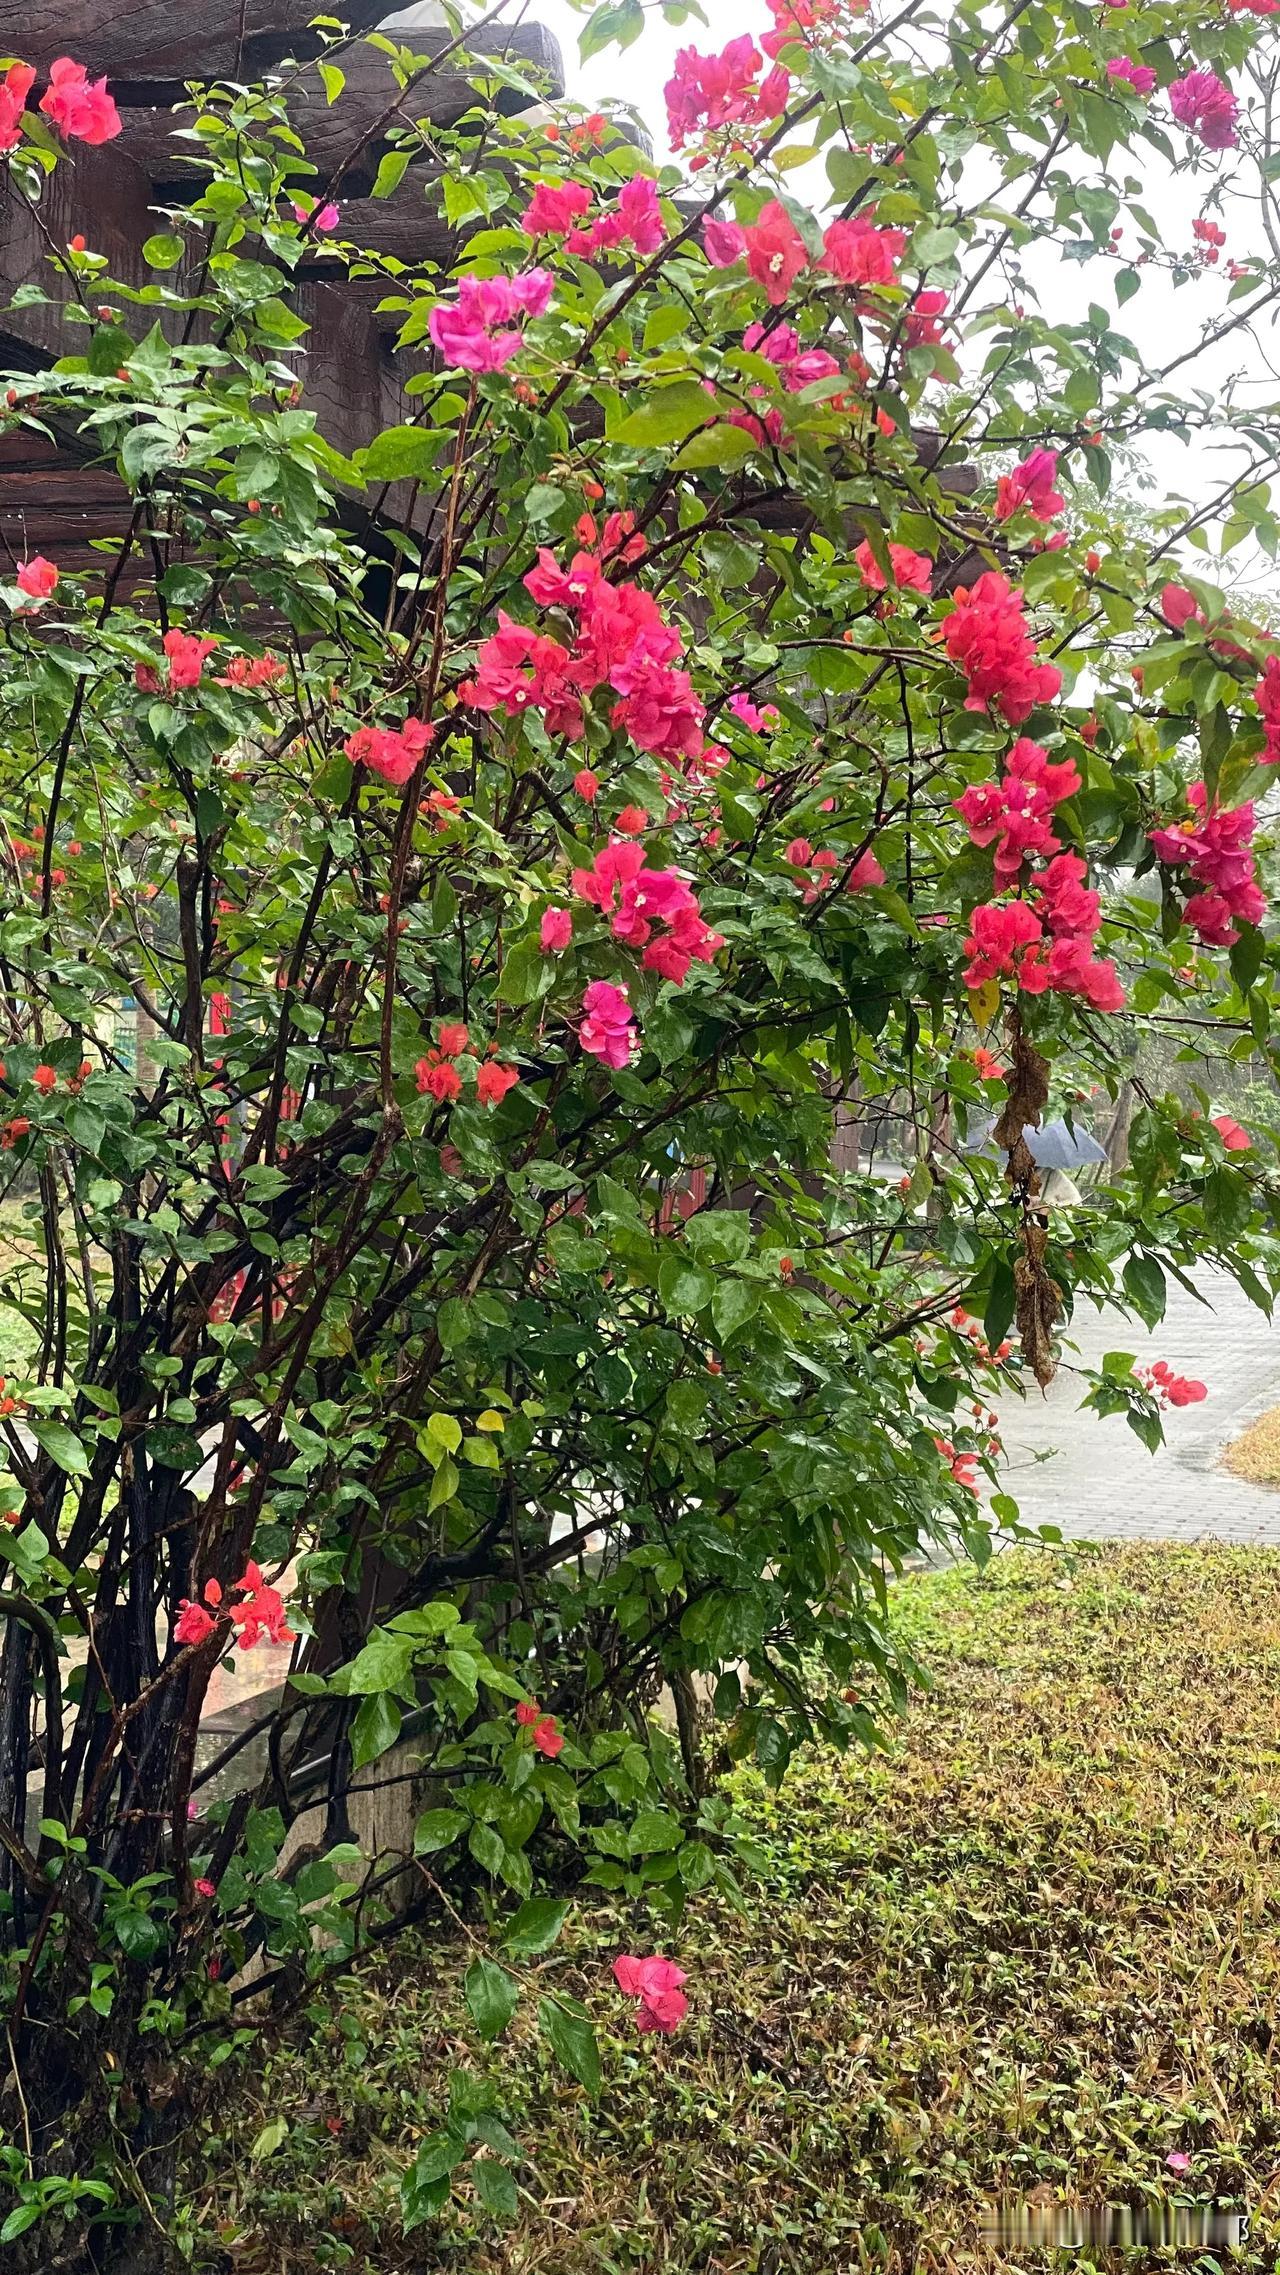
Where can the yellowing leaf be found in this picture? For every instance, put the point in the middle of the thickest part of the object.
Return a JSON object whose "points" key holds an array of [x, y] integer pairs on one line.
{"points": [[490, 1420], [984, 1002]]}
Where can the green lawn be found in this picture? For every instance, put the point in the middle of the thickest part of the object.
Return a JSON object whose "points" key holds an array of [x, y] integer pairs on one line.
{"points": [[1036, 1950]]}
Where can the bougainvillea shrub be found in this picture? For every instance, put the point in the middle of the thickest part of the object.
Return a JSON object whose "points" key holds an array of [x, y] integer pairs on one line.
{"points": [[461, 904]]}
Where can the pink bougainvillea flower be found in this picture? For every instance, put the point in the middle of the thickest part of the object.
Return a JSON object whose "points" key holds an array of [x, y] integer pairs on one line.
{"points": [[15, 87], [554, 208], [320, 216], [193, 1622], [776, 252], [186, 654], [922, 325], [587, 784], [261, 1613], [546, 1737], [912, 572], [637, 899], [608, 1028], [998, 932], [1215, 844], [556, 931], [204, 1888], [80, 107], [254, 671], [634, 218], [987, 636], [1177, 2160], [659, 709], [710, 91], [865, 873], [437, 1077], [723, 242], [1030, 487], [750, 715], [519, 669], [1205, 105], [453, 1038], [494, 1081], [658, 1986], [392, 752], [961, 1465], [1179, 607], [37, 577], [1235, 1138], [479, 330], [857, 252], [1140, 76], [796, 366]]}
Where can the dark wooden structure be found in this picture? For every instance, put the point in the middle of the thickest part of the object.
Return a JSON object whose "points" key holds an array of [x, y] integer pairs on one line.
{"points": [[51, 500]]}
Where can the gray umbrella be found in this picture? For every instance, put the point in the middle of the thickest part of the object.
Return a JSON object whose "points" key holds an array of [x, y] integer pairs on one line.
{"points": [[1055, 1146], [1058, 1146]]}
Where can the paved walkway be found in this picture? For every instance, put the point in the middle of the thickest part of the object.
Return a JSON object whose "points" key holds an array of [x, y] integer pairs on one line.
{"points": [[1099, 1482]]}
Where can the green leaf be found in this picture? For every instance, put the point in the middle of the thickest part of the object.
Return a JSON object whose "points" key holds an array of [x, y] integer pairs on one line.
{"points": [[668, 415], [139, 1934], [1002, 1302], [1144, 1283], [488, 1848], [272, 2136], [376, 1727], [444, 1484], [163, 251], [573, 2040], [401, 454], [445, 1430], [684, 1288], [334, 81], [535, 1927], [391, 172], [333, 781], [22, 2217], [718, 445], [930, 248], [655, 1831], [495, 2188], [543, 501], [616, 24], [438, 1828], [492, 1996], [383, 1663], [424, 2191], [732, 1305], [63, 1447]]}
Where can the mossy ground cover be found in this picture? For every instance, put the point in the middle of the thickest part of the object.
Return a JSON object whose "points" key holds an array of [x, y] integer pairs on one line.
{"points": [[1255, 1454], [1034, 1950]]}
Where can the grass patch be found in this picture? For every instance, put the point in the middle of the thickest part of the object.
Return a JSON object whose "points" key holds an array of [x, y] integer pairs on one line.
{"points": [[1033, 1953], [1255, 1454]]}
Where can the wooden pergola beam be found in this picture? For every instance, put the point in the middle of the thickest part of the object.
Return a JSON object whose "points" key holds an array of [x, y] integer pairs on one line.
{"points": [[95, 192], [370, 105], [165, 39]]}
